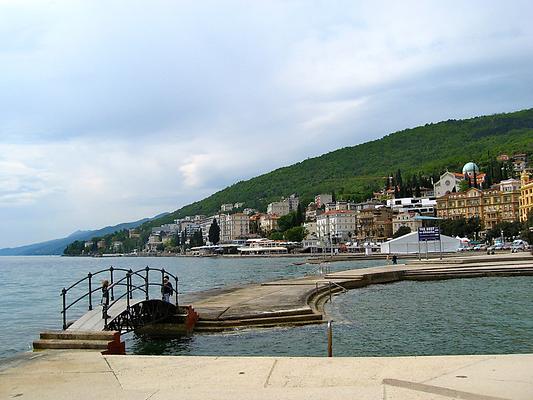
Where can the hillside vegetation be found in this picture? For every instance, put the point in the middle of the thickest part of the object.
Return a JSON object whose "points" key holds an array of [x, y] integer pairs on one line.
{"points": [[354, 172], [358, 170]]}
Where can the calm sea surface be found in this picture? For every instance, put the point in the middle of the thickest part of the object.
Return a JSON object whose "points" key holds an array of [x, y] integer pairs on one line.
{"points": [[463, 316]]}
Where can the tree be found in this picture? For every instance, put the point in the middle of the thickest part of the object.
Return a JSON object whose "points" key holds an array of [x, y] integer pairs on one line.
{"points": [[295, 234], [197, 239], [510, 230], [402, 230], [287, 221], [464, 185], [214, 232], [300, 218], [275, 235]]}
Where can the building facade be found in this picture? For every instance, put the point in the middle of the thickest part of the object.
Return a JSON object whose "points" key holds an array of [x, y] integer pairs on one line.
{"points": [[526, 196], [234, 226], [336, 225], [374, 224], [491, 206], [448, 183]]}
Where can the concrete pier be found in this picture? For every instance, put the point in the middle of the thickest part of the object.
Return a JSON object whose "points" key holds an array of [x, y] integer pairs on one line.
{"points": [[300, 301], [81, 375]]}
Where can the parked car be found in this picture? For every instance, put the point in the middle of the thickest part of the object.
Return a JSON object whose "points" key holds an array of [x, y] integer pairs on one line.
{"points": [[519, 245]]}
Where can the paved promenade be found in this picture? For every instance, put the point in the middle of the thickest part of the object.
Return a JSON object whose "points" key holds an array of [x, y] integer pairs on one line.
{"points": [[57, 375]]}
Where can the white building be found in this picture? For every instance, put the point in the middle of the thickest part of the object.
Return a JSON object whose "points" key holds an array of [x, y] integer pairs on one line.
{"points": [[448, 183], [284, 206], [226, 207], [508, 185], [340, 205], [421, 205], [336, 224], [268, 222], [408, 244], [234, 226], [278, 207], [406, 218]]}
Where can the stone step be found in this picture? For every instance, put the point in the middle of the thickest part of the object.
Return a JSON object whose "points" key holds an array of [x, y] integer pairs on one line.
{"points": [[468, 271], [269, 314], [270, 321], [263, 325], [79, 335], [71, 344]]}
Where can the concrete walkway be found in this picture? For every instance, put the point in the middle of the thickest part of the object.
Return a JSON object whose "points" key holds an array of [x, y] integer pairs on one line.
{"points": [[296, 295], [57, 375]]}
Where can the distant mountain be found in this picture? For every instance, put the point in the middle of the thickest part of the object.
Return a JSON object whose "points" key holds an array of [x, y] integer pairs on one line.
{"points": [[56, 246]]}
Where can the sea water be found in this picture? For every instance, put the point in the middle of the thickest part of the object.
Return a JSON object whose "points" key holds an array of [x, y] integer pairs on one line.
{"points": [[30, 287], [458, 316]]}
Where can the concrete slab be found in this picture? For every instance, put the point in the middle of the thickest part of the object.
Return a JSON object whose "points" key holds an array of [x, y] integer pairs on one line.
{"points": [[79, 375]]}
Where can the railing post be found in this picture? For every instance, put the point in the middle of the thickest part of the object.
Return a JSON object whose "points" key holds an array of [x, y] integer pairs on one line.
{"points": [[131, 283], [176, 289], [146, 282], [128, 279], [162, 280], [64, 295], [112, 288], [330, 284], [90, 276], [330, 339]]}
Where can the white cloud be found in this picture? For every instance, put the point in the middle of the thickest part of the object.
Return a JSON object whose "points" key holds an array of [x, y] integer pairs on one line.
{"points": [[106, 118]]}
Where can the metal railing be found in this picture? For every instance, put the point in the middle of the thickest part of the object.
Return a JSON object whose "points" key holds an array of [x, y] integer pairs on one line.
{"points": [[143, 274], [322, 269], [330, 284]]}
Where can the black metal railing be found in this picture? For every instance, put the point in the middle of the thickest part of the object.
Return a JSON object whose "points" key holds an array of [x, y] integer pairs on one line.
{"points": [[125, 280]]}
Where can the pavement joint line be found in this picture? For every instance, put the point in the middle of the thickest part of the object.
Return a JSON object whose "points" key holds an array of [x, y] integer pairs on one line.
{"points": [[438, 390], [222, 313], [453, 371], [270, 373], [113, 372], [152, 395]]}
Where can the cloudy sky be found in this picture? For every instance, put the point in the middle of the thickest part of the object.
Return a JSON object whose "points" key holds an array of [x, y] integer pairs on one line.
{"points": [[111, 111]]}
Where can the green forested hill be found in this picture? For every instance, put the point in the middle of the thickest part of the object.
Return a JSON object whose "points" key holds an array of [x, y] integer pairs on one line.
{"points": [[354, 172]]}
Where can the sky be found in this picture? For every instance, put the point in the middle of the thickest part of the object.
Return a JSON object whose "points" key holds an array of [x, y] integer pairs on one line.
{"points": [[112, 111]]}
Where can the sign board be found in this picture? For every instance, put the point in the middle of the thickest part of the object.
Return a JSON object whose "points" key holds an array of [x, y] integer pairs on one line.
{"points": [[429, 233]]}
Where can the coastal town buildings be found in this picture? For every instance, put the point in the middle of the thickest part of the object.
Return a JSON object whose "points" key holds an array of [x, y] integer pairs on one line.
{"points": [[336, 225], [374, 223], [407, 219], [234, 226], [268, 222], [448, 183], [526, 195], [491, 206], [323, 199], [278, 208], [284, 206]]}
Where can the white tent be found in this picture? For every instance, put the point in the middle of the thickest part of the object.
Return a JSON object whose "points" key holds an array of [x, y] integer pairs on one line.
{"points": [[408, 244]]}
